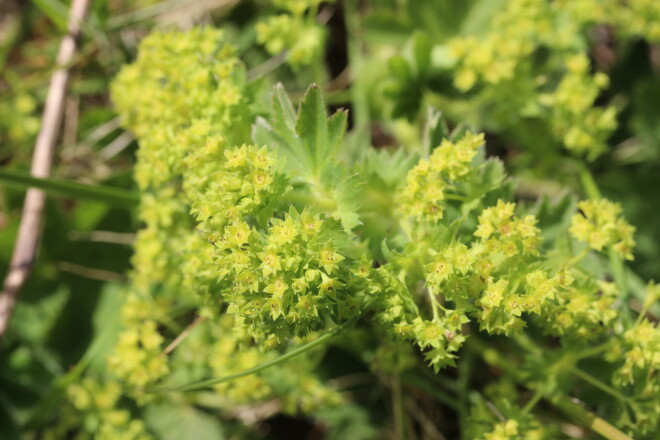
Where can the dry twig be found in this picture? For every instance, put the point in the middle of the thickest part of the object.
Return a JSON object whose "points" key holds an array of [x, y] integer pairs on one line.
{"points": [[42, 161], [184, 334]]}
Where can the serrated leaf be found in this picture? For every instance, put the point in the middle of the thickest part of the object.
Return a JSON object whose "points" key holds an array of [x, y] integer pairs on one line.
{"points": [[312, 126], [309, 145], [306, 141], [336, 130], [345, 190], [264, 134], [421, 50], [284, 115], [387, 253], [332, 231], [386, 168], [435, 129], [400, 68]]}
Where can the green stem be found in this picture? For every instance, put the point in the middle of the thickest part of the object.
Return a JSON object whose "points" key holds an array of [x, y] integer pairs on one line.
{"points": [[538, 395], [434, 303], [397, 407], [588, 419], [464, 371], [429, 388], [600, 385], [280, 359], [579, 257], [592, 351], [112, 196], [358, 87], [588, 182], [619, 275]]}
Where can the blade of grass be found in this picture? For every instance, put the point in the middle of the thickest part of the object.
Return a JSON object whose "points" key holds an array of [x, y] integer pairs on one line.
{"points": [[145, 13], [56, 11], [112, 196], [278, 360]]}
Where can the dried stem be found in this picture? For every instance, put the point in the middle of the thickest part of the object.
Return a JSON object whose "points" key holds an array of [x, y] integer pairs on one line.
{"points": [[42, 161], [184, 334]]}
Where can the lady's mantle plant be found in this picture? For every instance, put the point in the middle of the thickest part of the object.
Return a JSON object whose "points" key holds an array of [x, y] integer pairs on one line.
{"points": [[266, 229]]}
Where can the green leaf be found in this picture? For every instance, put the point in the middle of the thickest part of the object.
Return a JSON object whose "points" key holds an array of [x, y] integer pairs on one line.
{"points": [[174, 422], [32, 322], [307, 141], [309, 144], [345, 190], [400, 68], [421, 52], [336, 130], [348, 421], [435, 130], [284, 116], [387, 168], [56, 11], [312, 126]]}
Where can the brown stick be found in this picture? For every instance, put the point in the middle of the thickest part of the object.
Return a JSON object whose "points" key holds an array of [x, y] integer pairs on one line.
{"points": [[29, 231], [184, 334]]}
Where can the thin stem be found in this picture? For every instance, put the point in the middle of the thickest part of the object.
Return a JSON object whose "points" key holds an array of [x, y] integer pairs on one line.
{"points": [[440, 395], [450, 196], [579, 257], [600, 385], [280, 359], [588, 182], [145, 13], [592, 351], [464, 371], [588, 419], [358, 87], [397, 407], [538, 395], [619, 274], [434, 303]]}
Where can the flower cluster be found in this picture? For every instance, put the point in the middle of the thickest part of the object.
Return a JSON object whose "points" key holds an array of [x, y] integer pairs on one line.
{"points": [[642, 353], [426, 184], [497, 416], [600, 225], [139, 359], [180, 90], [104, 419], [501, 69], [501, 232], [295, 31], [19, 124], [225, 185], [583, 127], [291, 278], [581, 309]]}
